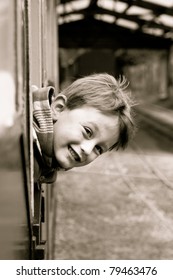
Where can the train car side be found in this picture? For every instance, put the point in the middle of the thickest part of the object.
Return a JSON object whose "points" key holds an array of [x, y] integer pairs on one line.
{"points": [[28, 55]]}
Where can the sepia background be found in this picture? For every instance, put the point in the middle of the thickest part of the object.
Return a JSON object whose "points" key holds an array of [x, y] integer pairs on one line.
{"points": [[120, 206]]}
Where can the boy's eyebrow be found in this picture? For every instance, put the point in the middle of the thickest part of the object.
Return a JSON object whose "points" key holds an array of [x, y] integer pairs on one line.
{"points": [[94, 125]]}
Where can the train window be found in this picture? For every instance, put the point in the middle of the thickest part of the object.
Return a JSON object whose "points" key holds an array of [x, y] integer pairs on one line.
{"points": [[43, 73], [7, 78]]}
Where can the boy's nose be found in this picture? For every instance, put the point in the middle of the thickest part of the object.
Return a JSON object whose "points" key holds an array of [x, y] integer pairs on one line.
{"points": [[87, 147]]}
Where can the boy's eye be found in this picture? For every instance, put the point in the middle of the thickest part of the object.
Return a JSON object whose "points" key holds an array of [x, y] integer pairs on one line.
{"points": [[99, 149], [88, 131]]}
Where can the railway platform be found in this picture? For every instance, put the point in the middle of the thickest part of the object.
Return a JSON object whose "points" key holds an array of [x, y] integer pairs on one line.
{"points": [[159, 117], [120, 206]]}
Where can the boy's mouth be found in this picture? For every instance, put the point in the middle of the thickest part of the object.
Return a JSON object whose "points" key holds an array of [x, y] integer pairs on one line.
{"points": [[73, 153]]}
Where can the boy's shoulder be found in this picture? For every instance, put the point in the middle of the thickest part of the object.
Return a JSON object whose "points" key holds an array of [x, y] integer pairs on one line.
{"points": [[42, 174]]}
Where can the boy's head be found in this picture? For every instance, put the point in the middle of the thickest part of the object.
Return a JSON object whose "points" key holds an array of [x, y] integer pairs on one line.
{"points": [[91, 116]]}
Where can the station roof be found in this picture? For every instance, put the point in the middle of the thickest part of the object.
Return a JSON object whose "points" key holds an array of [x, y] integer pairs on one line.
{"points": [[115, 23]]}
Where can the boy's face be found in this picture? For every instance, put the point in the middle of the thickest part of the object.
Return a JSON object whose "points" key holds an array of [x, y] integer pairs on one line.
{"points": [[82, 134]]}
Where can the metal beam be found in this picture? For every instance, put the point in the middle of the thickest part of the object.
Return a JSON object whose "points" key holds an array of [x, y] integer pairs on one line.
{"points": [[133, 18], [91, 33], [155, 8]]}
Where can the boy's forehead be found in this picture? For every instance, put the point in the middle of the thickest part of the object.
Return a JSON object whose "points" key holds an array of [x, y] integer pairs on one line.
{"points": [[98, 118], [92, 116]]}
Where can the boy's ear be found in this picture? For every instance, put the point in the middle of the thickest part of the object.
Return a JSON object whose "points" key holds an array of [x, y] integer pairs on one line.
{"points": [[58, 105]]}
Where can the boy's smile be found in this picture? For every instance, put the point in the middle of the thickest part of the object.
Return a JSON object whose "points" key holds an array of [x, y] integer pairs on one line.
{"points": [[82, 134]]}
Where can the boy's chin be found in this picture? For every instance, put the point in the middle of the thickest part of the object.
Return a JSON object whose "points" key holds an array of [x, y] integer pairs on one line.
{"points": [[66, 169], [64, 166]]}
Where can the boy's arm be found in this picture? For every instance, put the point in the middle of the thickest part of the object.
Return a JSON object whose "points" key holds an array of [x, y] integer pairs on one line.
{"points": [[42, 174]]}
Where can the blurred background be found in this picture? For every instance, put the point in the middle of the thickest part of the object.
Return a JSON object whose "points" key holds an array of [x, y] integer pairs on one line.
{"points": [[120, 206]]}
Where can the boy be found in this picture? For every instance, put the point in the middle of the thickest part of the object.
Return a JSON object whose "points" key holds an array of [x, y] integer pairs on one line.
{"points": [[88, 118]]}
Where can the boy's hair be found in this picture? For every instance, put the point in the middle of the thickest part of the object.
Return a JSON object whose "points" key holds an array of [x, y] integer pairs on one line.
{"points": [[109, 96]]}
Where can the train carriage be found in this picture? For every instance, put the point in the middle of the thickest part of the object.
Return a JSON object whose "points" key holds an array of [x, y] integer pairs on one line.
{"points": [[28, 56]]}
